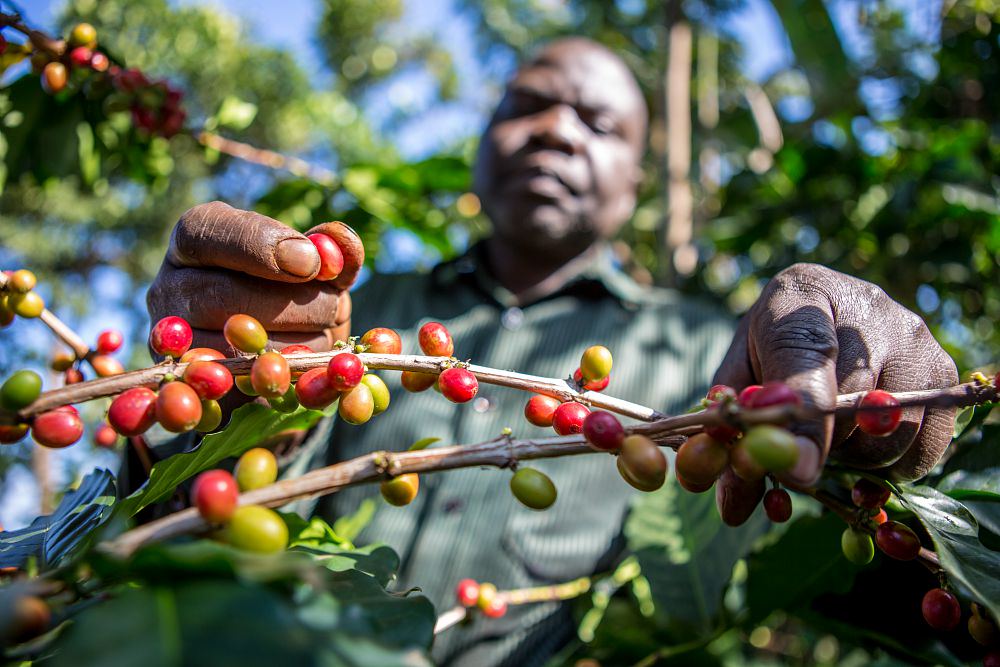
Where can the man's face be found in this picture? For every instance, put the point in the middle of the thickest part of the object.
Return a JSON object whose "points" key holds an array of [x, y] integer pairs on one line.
{"points": [[559, 163]]}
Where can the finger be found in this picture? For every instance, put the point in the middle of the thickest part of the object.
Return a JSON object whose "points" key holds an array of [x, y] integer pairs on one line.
{"points": [[350, 246], [206, 299], [735, 370], [737, 498], [320, 341], [218, 235]]}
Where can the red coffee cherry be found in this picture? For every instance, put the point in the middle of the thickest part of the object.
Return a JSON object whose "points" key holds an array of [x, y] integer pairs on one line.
{"points": [[496, 608], [878, 422], [201, 354], [773, 393], [58, 428], [245, 333], [178, 408], [345, 371], [296, 349], [106, 366], [270, 375], [596, 385], [357, 405], [718, 396], [721, 392], [331, 257], [314, 390], [746, 395], [73, 376], [467, 592], [54, 77], [458, 385], [382, 341], [109, 341], [170, 337], [216, 495], [701, 459], [897, 541], [400, 491], [778, 505], [539, 410], [80, 56], [603, 431], [11, 433], [880, 517], [99, 62], [568, 418], [416, 382], [941, 609], [210, 380], [133, 411], [105, 436], [435, 340], [869, 495]]}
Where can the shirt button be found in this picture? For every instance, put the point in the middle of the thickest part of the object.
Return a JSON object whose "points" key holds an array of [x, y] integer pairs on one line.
{"points": [[512, 318], [481, 404]]}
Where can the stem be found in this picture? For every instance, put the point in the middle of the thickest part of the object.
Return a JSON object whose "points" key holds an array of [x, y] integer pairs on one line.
{"points": [[55, 47], [268, 158], [58, 327]]}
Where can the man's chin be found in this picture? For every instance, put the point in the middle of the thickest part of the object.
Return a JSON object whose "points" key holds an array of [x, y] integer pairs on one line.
{"points": [[543, 229]]}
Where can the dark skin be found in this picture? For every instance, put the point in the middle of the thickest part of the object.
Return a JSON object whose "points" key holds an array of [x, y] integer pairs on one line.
{"points": [[557, 172]]}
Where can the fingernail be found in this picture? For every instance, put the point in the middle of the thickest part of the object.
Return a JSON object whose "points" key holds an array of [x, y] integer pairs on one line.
{"points": [[350, 229], [297, 257], [807, 469]]}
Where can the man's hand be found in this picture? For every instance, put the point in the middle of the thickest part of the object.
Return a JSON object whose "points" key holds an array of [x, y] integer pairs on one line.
{"points": [[222, 261], [824, 333]]}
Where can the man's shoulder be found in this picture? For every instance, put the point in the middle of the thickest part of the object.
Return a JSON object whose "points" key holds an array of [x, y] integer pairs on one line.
{"points": [[673, 304]]}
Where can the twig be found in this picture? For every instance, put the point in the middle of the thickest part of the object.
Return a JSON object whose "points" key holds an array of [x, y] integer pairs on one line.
{"points": [[268, 158], [39, 39], [58, 327]]}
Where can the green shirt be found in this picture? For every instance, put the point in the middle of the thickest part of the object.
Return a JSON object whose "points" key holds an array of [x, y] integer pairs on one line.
{"points": [[466, 523]]}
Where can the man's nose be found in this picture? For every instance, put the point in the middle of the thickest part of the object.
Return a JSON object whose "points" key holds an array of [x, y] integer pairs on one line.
{"points": [[558, 127]]}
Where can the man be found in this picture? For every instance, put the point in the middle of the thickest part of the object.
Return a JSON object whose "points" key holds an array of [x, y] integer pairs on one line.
{"points": [[557, 173]]}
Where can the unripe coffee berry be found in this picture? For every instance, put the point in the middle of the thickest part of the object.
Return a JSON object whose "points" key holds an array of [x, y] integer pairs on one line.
{"points": [[106, 366], [467, 592], [857, 546], [595, 363], [382, 341], [109, 341], [771, 447], [941, 609], [62, 361], [83, 34], [58, 428], [641, 463], [216, 495], [170, 337], [331, 257], [380, 392], [245, 334], [415, 381], [778, 505], [244, 384], [878, 422], [458, 385], [11, 433], [533, 488], [270, 375], [897, 540], [105, 437], [54, 77], [982, 629], [487, 593], [701, 459], [743, 464], [314, 390], [603, 431], [178, 408], [435, 340], [356, 405], [28, 305], [539, 410], [256, 468], [258, 529], [345, 371], [568, 418], [401, 490], [133, 411], [286, 403], [20, 390], [211, 416], [201, 354], [22, 281], [209, 379], [869, 495]]}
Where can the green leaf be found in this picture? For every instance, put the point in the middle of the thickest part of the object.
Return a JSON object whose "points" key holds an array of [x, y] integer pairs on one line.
{"points": [[236, 114], [250, 425], [955, 532], [351, 525], [423, 443], [376, 560]]}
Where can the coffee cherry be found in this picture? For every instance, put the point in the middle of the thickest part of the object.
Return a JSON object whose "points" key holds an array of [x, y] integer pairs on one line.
{"points": [[941, 609], [539, 410], [58, 428], [691, 486], [878, 422], [244, 384], [270, 375], [869, 495], [314, 390], [11, 433], [286, 403], [106, 366], [105, 437], [293, 350], [258, 529], [533, 488], [345, 371], [467, 592], [133, 411], [415, 381], [400, 490], [772, 393], [487, 593], [720, 392], [495, 609], [880, 517], [435, 340], [28, 305], [857, 546], [216, 495], [356, 405], [382, 341], [170, 337], [22, 617], [73, 376], [603, 431], [54, 77], [245, 334], [83, 34], [80, 57], [718, 397], [62, 361], [771, 447], [22, 281], [641, 463], [331, 257], [458, 385], [109, 341], [256, 468], [595, 363], [6, 313], [568, 418], [982, 629], [210, 380], [99, 62], [778, 505], [211, 416], [897, 541], [743, 464], [20, 390], [596, 385], [701, 459], [380, 392], [201, 354], [178, 408]]}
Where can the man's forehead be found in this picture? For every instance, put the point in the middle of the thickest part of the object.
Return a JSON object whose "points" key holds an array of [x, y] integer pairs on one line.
{"points": [[590, 79]]}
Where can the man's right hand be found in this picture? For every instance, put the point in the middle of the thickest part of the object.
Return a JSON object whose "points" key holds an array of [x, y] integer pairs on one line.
{"points": [[222, 261]]}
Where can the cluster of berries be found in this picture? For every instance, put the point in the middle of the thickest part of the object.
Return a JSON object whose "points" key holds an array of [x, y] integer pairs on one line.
{"points": [[482, 596]]}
